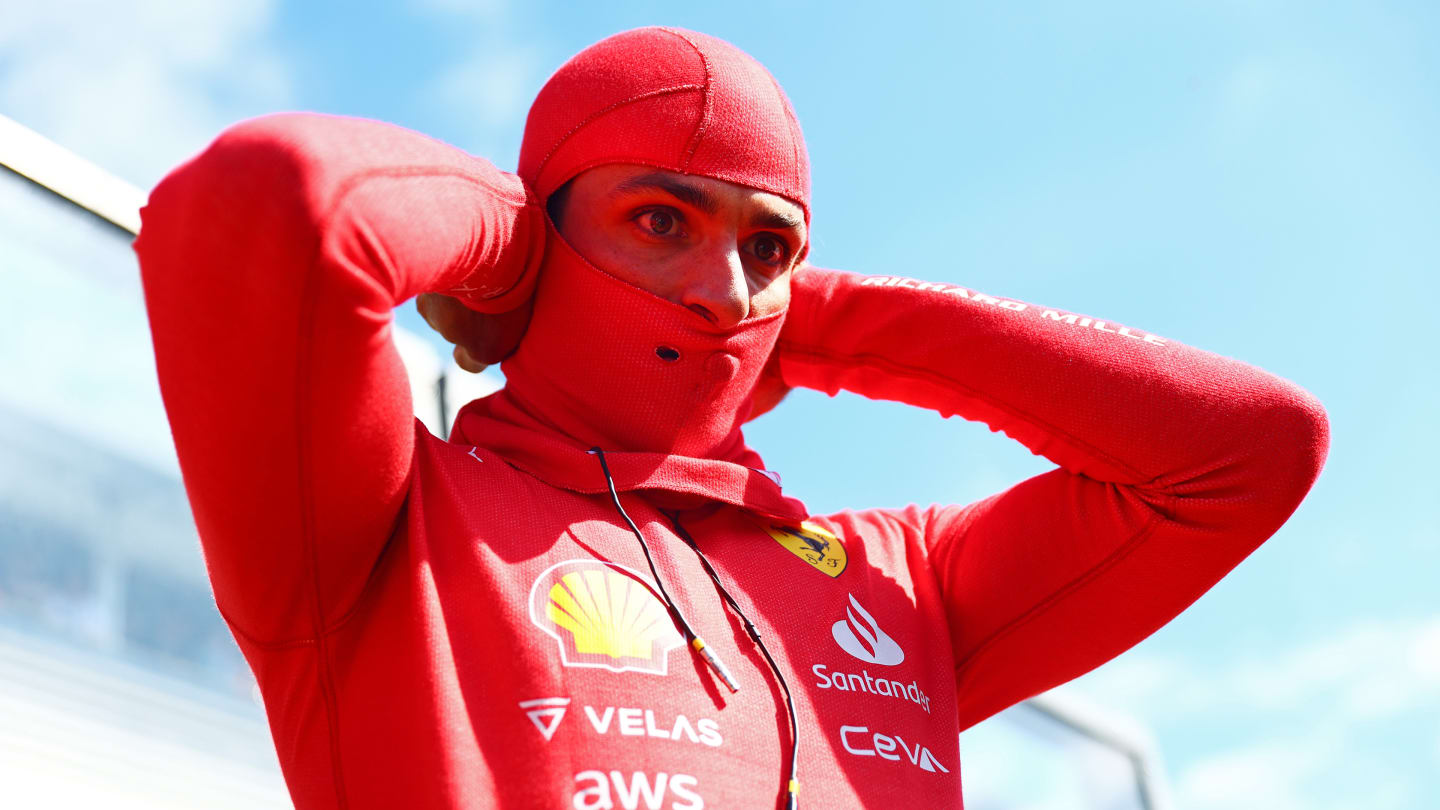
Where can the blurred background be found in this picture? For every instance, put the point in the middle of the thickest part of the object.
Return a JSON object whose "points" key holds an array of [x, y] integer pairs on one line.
{"points": [[1260, 179]]}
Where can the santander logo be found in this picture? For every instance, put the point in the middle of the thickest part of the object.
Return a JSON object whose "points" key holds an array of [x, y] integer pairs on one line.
{"points": [[860, 636]]}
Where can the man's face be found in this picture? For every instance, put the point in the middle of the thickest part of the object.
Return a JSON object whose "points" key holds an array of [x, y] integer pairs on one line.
{"points": [[723, 250]]}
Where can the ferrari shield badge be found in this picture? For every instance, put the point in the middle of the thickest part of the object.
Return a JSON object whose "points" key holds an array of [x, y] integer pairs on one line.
{"points": [[819, 548]]}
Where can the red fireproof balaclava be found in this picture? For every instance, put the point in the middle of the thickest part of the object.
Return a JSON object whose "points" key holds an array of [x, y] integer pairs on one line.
{"points": [[605, 362]]}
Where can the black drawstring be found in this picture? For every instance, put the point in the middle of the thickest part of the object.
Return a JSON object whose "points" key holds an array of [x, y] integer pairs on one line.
{"points": [[696, 643], [792, 786]]}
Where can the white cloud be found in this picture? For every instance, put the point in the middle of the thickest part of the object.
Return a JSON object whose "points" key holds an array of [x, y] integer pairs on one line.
{"points": [[1308, 715], [490, 89], [1348, 670], [1424, 653], [1300, 772], [138, 86], [1303, 771], [484, 94], [1259, 776]]}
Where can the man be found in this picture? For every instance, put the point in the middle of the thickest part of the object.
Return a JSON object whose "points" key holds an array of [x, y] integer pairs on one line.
{"points": [[595, 595]]}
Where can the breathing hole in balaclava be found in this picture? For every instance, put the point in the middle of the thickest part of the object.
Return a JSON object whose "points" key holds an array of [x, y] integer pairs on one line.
{"points": [[667, 354]]}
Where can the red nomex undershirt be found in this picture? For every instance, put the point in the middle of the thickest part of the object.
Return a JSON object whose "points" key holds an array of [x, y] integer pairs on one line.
{"points": [[471, 624]]}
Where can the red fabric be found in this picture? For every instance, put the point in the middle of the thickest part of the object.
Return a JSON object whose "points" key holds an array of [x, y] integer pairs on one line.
{"points": [[668, 98], [593, 365], [686, 102], [470, 624], [1174, 464]]}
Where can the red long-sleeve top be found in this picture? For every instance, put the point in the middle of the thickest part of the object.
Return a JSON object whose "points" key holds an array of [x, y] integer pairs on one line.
{"points": [[470, 623]]}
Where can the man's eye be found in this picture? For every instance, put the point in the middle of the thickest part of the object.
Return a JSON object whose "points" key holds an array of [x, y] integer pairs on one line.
{"points": [[770, 249], [660, 223]]}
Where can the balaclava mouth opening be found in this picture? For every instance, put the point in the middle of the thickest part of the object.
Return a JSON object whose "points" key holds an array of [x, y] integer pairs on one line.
{"points": [[605, 362]]}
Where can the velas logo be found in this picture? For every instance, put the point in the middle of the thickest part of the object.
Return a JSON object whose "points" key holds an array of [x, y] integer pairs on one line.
{"points": [[605, 616], [859, 635], [545, 713], [626, 721]]}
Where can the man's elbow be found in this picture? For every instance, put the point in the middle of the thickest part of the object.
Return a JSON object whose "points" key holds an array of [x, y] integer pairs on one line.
{"points": [[241, 205], [251, 168], [1282, 454]]}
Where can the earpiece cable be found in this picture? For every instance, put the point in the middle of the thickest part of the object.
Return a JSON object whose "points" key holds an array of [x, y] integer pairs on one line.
{"points": [[696, 643], [792, 784], [792, 787]]}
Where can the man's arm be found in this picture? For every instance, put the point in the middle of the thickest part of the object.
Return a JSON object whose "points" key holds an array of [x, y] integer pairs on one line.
{"points": [[271, 263], [1175, 464]]}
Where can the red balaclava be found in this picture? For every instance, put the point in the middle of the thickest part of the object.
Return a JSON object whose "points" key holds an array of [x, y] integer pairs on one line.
{"points": [[605, 362]]}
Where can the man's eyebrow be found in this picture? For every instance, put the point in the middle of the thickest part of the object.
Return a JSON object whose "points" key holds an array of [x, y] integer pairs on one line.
{"points": [[778, 220], [686, 193], [702, 199]]}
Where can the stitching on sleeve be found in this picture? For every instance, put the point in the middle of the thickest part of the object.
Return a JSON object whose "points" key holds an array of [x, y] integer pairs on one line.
{"points": [[268, 646], [1044, 605], [352, 183], [303, 407], [343, 189], [891, 367]]}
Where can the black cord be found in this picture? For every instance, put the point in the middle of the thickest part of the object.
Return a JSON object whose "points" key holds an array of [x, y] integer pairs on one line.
{"points": [[792, 786], [696, 643]]}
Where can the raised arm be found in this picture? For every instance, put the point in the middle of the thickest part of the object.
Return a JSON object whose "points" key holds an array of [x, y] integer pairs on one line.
{"points": [[1175, 464], [271, 264]]}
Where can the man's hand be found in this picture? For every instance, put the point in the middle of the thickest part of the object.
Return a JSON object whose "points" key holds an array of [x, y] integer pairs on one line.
{"points": [[480, 339]]}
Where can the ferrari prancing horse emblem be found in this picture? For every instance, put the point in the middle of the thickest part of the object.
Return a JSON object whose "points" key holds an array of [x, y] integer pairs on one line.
{"points": [[819, 548]]}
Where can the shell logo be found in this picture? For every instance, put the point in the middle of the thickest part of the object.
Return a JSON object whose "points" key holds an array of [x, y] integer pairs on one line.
{"points": [[603, 615]]}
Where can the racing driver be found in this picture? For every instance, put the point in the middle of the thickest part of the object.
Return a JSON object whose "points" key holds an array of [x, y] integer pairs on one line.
{"points": [[595, 594]]}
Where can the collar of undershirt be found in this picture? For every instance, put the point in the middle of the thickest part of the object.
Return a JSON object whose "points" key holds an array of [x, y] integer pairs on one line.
{"points": [[671, 481]]}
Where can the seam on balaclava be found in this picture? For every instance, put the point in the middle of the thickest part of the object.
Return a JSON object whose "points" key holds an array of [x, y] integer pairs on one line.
{"points": [[681, 88], [793, 126], [704, 121]]}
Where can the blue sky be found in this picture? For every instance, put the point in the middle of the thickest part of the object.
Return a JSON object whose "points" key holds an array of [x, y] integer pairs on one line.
{"points": [[1260, 179]]}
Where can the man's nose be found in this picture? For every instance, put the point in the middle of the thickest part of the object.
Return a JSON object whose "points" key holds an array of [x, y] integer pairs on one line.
{"points": [[717, 288]]}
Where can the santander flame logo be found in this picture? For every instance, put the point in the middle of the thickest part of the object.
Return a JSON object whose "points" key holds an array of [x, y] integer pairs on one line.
{"points": [[860, 636]]}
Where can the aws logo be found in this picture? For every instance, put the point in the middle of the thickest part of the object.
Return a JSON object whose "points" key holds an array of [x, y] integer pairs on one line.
{"points": [[603, 615], [814, 544]]}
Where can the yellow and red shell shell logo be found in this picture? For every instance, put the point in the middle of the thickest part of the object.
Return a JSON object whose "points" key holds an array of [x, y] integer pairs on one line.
{"points": [[603, 615]]}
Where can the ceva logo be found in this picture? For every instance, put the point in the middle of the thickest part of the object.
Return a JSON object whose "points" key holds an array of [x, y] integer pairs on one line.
{"points": [[603, 615], [883, 746], [859, 635]]}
